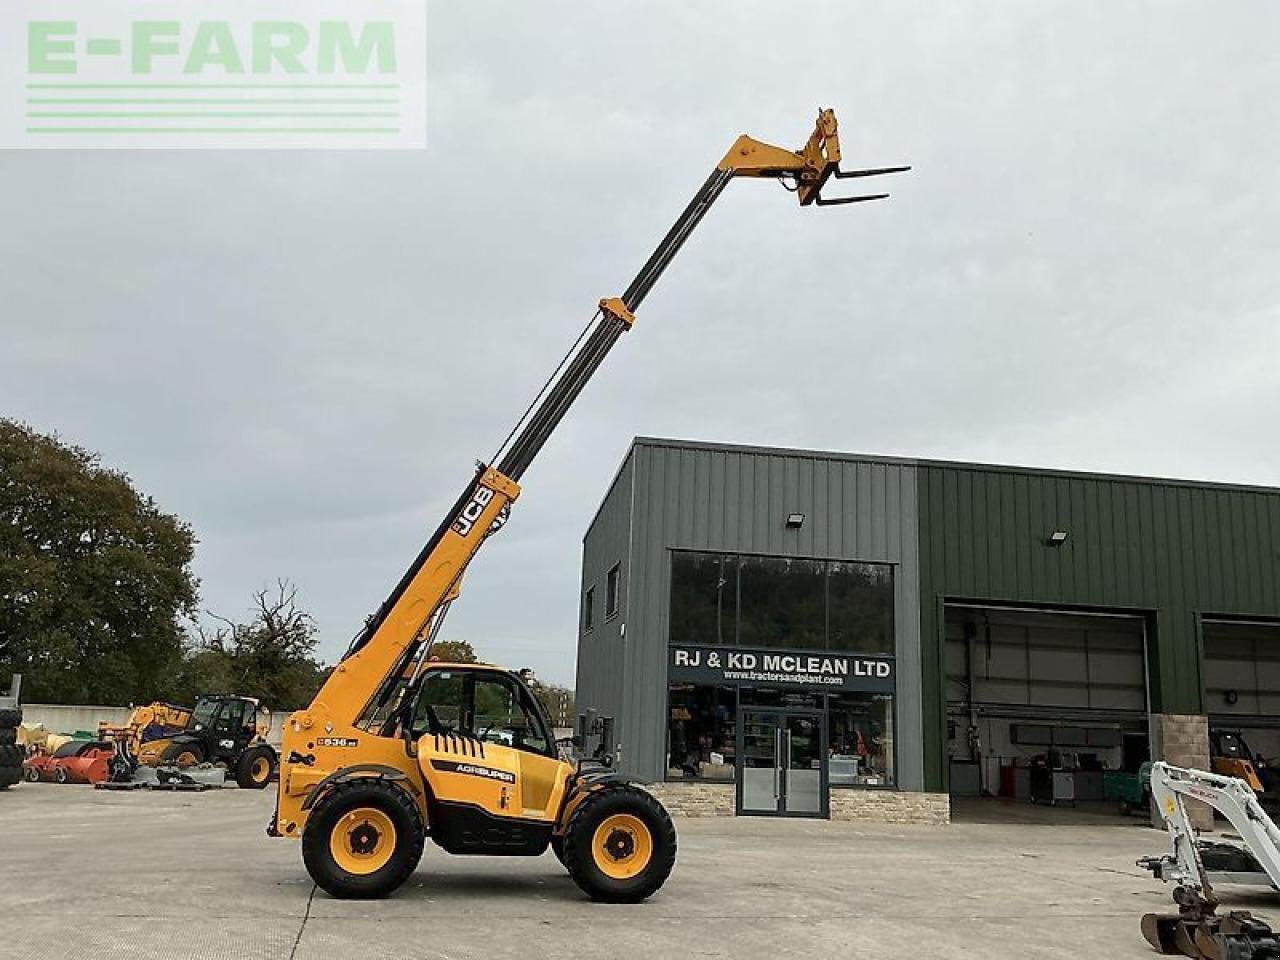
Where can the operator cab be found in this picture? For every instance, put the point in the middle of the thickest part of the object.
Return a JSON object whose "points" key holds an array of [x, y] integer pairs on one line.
{"points": [[480, 702]]}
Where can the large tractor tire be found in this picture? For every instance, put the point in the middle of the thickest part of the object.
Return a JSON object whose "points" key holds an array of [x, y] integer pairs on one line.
{"points": [[8, 736], [10, 717], [364, 838], [182, 754], [9, 776], [557, 847], [619, 845], [256, 767]]}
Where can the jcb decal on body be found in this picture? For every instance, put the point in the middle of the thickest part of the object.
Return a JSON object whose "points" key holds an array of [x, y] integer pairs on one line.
{"points": [[337, 742], [471, 770], [471, 512]]}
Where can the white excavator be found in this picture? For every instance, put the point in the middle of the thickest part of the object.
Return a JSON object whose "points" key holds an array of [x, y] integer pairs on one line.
{"points": [[1193, 865]]}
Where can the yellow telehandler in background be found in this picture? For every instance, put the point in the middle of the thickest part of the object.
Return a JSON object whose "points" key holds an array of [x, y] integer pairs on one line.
{"points": [[396, 747], [225, 731]]}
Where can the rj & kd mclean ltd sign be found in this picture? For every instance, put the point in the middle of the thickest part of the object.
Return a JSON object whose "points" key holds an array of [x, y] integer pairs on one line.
{"points": [[815, 670]]}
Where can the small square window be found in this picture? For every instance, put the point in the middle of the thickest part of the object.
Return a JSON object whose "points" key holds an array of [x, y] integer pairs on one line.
{"points": [[589, 610], [611, 593]]}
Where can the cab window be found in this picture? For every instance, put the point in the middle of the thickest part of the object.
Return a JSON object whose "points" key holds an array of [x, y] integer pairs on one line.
{"points": [[439, 704], [502, 717], [203, 714], [489, 707]]}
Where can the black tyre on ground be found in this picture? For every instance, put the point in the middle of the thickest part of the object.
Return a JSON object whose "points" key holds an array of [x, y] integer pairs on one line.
{"points": [[10, 717], [256, 767], [182, 754], [60, 775], [31, 774], [557, 847], [364, 838], [10, 756], [9, 776], [620, 845], [8, 736]]}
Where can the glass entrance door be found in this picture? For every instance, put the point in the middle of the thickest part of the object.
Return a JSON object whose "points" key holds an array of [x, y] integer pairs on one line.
{"points": [[782, 768]]}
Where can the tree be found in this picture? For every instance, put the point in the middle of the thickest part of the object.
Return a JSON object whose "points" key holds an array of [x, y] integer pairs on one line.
{"points": [[272, 657], [556, 700], [453, 651], [95, 578]]}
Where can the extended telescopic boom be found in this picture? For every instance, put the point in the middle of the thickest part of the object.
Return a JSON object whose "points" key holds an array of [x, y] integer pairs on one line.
{"points": [[400, 632]]}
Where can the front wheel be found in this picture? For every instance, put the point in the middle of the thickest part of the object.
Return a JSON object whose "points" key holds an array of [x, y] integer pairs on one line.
{"points": [[255, 767], [363, 839], [620, 845]]}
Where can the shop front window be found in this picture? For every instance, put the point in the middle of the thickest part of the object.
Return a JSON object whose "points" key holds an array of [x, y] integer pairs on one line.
{"points": [[781, 603], [860, 739], [704, 598], [701, 732], [860, 607]]}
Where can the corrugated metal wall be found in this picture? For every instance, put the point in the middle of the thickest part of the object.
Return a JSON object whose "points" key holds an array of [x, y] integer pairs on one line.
{"points": [[702, 497], [601, 682], [1177, 550]]}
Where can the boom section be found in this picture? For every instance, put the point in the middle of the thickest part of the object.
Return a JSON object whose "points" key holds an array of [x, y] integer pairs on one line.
{"points": [[381, 654]]}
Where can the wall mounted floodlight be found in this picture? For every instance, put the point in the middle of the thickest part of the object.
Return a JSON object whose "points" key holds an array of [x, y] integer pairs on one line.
{"points": [[1057, 538], [795, 521]]}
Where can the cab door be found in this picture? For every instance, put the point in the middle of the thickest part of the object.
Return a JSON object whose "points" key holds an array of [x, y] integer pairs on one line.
{"points": [[483, 752], [460, 766], [507, 718]]}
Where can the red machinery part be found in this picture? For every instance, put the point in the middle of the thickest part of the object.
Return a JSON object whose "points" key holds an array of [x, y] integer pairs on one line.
{"points": [[85, 763]]}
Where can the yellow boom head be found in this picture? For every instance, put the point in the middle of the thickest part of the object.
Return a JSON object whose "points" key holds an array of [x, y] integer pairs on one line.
{"points": [[808, 168]]}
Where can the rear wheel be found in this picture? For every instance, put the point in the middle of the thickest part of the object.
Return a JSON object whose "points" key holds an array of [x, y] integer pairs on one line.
{"points": [[255, 767], [60, 774], [620, 845], [363, 839]]}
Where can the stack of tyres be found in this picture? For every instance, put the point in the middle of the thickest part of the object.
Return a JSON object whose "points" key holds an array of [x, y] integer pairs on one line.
{"points": [[11, 755]]}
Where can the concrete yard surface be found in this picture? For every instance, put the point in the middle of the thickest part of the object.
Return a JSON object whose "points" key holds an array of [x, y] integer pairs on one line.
{"points": [[88, 874]]}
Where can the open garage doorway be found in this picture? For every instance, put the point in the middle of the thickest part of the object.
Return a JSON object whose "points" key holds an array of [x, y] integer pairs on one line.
{"points": [[1047, 713], [1242, 698]]}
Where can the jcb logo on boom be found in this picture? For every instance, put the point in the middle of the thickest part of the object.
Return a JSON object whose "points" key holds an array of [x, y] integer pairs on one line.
{"points": [[471, 512]]}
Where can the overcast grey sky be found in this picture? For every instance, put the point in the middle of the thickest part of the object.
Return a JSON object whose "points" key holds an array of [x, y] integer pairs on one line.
{"points": [[302, 353]]}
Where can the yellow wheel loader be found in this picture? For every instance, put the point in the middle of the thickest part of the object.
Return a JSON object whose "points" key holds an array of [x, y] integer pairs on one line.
{"points": [[397, 748]]}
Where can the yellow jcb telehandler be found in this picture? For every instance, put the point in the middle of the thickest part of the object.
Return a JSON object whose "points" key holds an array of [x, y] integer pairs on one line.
{"points": [[396, 747]]}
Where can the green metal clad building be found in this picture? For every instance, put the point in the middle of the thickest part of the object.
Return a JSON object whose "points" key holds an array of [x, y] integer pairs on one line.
{"points": [[799, 629]]}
